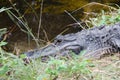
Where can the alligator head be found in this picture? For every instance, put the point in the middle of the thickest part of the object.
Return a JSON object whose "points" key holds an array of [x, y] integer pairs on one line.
{"points": [[61, 46]]}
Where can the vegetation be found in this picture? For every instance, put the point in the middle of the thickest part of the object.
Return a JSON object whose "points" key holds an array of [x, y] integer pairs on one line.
{"points": [[13, 67], [106, 18]]}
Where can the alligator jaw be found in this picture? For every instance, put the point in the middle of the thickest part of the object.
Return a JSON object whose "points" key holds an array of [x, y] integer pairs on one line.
{"points": [[45, 51], [52, 49]]}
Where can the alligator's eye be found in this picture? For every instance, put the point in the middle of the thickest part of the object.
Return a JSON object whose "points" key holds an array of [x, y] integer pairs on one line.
{"points": [[59, 41]]}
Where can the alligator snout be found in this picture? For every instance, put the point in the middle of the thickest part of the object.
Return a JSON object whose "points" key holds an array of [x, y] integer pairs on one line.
{"points": [[55, 49], [45, 51]]}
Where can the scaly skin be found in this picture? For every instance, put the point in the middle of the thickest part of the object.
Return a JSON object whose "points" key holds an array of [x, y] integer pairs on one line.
{"points": [[95, 41]]}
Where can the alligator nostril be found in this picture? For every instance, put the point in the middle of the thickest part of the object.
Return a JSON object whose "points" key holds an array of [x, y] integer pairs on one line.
{"points": [[59, 41]]}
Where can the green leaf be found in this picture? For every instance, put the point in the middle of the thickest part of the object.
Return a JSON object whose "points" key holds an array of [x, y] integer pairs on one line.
{"points": [[3, 70], [82, 52], [22, 56], [4, 9], [42, 77], [3, 31], [3, 43]]}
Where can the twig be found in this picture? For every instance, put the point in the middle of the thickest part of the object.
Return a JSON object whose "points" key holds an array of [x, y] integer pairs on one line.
{"points": [[59, 34], [93, 3], [25, 25], [46, 36], [33, 10], [74, 19], [40, 19]]}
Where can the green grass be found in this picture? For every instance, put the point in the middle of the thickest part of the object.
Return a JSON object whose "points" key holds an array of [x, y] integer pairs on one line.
{"points": [[14, 68], [106, 18], [77, 68]]}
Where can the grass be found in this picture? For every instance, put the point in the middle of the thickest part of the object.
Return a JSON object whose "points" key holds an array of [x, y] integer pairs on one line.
{"points": [[106, 18], [77, 68], [13, 67], [19, 20]]}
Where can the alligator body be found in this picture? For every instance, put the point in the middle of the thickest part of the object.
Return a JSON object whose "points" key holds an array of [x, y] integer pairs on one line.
{"points": [[96, 42]]}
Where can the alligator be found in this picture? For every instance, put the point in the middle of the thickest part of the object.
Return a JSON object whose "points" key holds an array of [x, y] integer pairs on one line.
{"points": [[95, 42]]}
